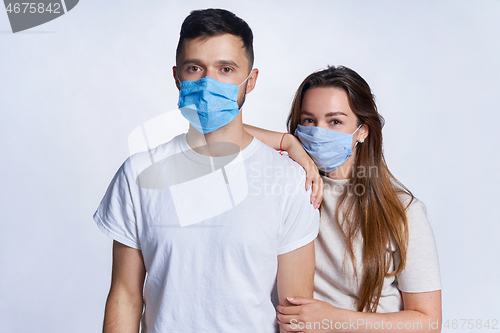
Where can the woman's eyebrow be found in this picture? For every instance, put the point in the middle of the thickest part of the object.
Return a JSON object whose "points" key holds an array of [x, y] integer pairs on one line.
{"points": [[306, 113], [336, 113]]}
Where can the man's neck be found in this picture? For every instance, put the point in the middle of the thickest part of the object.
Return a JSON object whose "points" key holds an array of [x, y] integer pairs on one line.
{"points": [[227, 140]]}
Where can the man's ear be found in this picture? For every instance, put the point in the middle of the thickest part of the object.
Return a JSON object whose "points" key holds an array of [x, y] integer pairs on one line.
{"points": [[252, 80], [174, 72]]}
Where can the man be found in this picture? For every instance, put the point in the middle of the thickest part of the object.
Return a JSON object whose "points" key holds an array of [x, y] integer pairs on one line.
{"points": [[214, 217]]}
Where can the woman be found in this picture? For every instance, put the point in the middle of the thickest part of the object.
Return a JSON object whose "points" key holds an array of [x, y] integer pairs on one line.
{"points": [[376, 261]]}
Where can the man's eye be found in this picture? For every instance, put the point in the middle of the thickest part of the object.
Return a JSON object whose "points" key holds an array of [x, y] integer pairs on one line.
{"points": [[193, 68], [226, 70]]}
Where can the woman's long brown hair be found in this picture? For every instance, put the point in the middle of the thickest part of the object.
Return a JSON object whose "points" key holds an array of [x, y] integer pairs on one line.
{"points": [[375, 206]]}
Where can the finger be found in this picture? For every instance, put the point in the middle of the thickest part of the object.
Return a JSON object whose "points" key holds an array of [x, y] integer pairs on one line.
{"points": [[300, 300], [288, 310], [312, 177], [319, 187], [295, 327], [285, 319], [309, 179], [312, 197], [315, 193]]}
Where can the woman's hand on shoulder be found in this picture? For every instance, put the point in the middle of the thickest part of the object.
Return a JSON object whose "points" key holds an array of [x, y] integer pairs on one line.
{"points": [[296, 152]]}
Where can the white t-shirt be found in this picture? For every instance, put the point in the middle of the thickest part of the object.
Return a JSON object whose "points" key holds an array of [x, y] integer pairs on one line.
{"points": [[210, 231], [334, 280]]}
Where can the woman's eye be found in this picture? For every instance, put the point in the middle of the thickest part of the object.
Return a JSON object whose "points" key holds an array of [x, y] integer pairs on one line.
{"points": [[307, 121], [336, 122]]}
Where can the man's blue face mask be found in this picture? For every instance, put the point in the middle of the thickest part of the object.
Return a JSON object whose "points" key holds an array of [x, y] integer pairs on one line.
{"points": [[328, 149], [208, 104]]}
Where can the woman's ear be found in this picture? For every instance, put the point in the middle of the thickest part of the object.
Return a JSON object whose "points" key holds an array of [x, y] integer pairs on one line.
{"points": [[363, 133]]}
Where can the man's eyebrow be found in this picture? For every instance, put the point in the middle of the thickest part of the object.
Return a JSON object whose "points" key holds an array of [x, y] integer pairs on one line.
{"points": [[218, 62], [227, 62], [191, 61]]}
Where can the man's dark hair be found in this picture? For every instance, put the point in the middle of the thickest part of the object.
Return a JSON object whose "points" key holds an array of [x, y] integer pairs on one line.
{"points": [[212, 22]]}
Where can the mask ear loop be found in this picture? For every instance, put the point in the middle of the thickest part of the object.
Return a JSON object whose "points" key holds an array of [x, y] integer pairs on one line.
{"points": [[355, 133], [239, 85], [177, 79], [244, 82]]}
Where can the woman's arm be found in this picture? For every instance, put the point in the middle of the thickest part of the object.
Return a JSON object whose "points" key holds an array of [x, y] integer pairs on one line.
{"points": [[422, 313], [290, 144], [270, 138]]}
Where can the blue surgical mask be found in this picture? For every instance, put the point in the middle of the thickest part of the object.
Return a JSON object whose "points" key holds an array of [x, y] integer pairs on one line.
{"points": [[208, 104], [327, 148]]}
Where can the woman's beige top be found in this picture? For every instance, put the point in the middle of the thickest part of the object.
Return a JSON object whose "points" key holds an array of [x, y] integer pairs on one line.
{"points": [[335, 281]]}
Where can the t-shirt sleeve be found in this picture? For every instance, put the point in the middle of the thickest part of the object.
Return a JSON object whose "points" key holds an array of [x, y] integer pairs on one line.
{"points": [[115, 215], [421, 273], [300, 223]]}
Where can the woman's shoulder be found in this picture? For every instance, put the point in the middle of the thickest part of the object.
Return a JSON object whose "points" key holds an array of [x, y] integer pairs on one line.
{"points": [[408, 200], [417, 217], [415, 209]]}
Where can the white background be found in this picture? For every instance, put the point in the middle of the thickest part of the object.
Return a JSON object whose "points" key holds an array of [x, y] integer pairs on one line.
{"points": [[73, 89]]}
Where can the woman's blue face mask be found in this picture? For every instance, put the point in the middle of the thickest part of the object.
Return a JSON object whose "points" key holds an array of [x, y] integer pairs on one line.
{"points": [[208, 104], [328, 149]]}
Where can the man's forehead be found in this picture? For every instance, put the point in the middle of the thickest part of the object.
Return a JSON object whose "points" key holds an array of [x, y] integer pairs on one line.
{"points": [[228, 46], [204, 39]]}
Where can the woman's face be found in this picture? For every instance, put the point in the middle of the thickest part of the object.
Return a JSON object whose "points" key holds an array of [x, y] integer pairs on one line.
{"points": [[328, 107]]}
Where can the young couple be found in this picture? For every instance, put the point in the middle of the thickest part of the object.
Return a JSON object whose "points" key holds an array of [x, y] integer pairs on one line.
{"points": [[187, 214]]}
